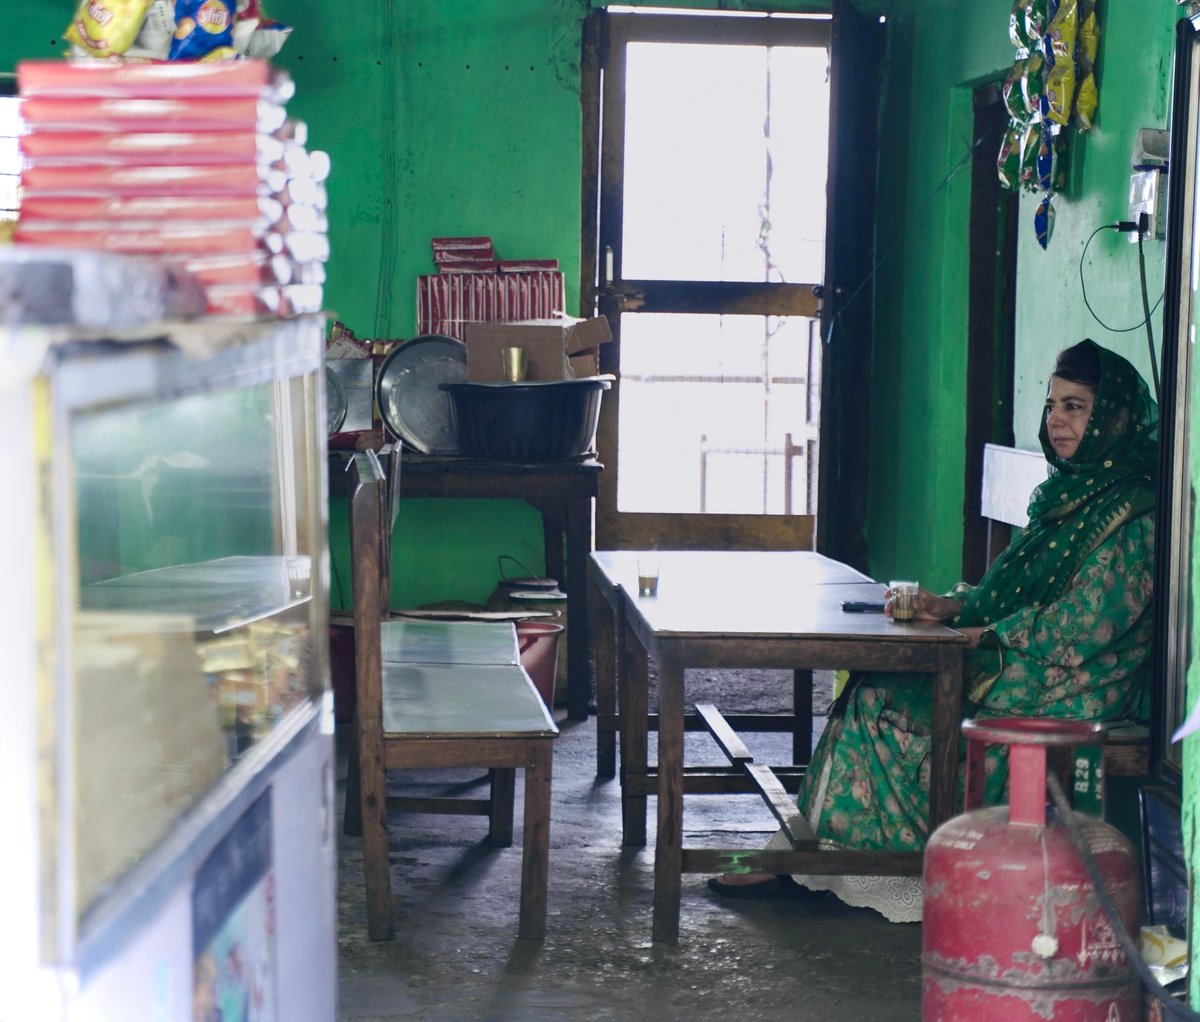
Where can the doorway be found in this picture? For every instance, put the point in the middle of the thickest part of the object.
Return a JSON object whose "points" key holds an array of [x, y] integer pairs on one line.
{"points": [[991, 314], [705, 220]]}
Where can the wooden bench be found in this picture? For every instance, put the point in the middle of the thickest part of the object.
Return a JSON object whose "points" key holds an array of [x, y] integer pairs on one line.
{"points": [[1009, 477], [438, 695]]}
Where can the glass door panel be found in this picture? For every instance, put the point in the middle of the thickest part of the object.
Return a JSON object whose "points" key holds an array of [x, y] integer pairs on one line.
{"points": [[724, 169], [718, 414]]}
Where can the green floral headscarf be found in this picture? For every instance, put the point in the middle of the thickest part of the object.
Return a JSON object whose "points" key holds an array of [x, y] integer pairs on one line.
{"points": [[1109, 481]]}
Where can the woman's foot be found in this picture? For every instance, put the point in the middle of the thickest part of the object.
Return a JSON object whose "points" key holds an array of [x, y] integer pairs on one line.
{"points": [[754, 885]]}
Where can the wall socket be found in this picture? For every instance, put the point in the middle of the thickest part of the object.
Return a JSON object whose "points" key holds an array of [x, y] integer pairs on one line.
{"points": [[1144, 189]]}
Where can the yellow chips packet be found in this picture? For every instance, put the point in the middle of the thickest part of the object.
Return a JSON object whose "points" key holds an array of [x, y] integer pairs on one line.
{"points": [[107, 28]]}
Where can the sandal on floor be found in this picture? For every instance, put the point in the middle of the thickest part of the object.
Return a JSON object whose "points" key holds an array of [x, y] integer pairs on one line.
{"points": [[781, 886]]}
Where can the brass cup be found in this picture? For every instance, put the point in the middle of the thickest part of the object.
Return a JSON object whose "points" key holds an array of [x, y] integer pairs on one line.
{"points": [[515, 363]]}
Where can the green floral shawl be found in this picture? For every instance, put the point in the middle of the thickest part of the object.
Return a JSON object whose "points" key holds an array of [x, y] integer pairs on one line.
{"points": [[1110, 481]]}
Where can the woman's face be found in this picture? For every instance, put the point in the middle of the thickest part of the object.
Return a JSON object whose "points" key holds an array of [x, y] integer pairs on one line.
{"points": [[1068, 409]]}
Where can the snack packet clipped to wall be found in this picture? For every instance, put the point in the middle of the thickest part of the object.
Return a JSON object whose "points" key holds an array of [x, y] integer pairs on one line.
{"points": [[1051, 159], [1033, 83], [1010, 91], [106, 28], [1037, 16], [1031, 140], [1008, 162], [1017, 32], [203, 29], [1060, 42], [1086, 96], [1043, 221]]}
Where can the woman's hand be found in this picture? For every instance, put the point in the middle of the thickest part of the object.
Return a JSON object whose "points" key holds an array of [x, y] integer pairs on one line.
{"points": [[973, 633], [926, 605]]}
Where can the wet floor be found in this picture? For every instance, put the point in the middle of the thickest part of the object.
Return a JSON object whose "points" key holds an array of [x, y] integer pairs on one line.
{"points": [[456, 957]]}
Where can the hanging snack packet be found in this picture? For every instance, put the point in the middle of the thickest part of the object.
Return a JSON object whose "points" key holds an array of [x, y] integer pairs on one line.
{"points": [[1008, 163], [1037, 17], [1047, 158], [1016, 24], [1059, 96], [1043, 221], [1010, 91], [106, 28], [201, 26], [1086, 96], [1033, 84], [1031, 140]]}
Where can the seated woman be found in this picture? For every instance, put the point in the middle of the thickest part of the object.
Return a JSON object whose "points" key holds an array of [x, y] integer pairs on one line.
{"points": [[1059, 626]]}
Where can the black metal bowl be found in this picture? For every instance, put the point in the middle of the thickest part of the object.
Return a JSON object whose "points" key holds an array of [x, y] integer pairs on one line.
{"points": [[539, 420]]}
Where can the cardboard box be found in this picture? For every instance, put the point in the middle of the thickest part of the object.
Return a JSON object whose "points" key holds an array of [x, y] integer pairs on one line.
{"points": [[559, 349]]}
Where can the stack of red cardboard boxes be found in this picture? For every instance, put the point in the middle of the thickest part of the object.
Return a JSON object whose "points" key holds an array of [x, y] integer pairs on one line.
{"points": [[473, 286], [194, 163]]}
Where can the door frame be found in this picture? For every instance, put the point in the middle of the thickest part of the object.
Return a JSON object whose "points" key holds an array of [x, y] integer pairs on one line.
{"points": [[608, 294], [991, 323]]}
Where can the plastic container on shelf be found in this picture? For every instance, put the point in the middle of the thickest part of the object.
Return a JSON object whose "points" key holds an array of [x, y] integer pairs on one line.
{"points": [[534, 421]]}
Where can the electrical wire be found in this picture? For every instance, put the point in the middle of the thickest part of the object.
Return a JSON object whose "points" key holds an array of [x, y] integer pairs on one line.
{"points": [[1146, 309], [1149, 981], [1124, 227]]}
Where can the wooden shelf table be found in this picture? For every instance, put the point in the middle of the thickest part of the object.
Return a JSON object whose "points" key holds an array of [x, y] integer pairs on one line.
{"points": [[564, 493]]}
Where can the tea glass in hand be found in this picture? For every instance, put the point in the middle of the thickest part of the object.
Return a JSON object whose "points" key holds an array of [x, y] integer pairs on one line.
{"points": [[904, 598], [647, 569]]}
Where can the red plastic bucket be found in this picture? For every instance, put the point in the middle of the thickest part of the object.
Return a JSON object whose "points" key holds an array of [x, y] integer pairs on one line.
{"points": [[537, 642]]}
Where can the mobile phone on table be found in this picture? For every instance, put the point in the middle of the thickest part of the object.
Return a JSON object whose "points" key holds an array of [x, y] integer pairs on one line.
{"points": [[862, 607]]}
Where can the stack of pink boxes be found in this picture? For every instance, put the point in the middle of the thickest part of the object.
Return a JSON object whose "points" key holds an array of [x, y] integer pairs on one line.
{"points": [[473, 286], [194, 163]]}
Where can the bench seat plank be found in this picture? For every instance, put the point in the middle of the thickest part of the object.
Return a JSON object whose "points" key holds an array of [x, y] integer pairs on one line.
{"points": [[449, 642], [471, 700], [794, 825], [731, 744]]}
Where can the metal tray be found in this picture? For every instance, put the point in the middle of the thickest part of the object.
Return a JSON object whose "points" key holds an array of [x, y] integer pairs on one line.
{"points": [[335, 401], [411, 403]]}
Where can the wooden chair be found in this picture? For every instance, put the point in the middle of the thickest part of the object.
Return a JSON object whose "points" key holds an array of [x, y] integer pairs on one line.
{"points": [[412, 715], [1009, 477]]}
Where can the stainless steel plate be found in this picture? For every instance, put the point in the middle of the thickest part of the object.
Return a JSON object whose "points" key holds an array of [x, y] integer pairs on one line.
{"points": [[357, 376], [335, 401], [411, 403]]}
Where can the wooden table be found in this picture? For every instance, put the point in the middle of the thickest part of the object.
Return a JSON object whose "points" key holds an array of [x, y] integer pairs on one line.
{"points": [[564, 493], [754, 610], [775, 572]]}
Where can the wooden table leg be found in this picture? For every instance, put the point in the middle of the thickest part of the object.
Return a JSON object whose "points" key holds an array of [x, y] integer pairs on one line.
{"points": [[602, 618], [633, 699], [503, 784], [802, 726], [668, 850], [579, 545], [947, 726], [535, 842]]}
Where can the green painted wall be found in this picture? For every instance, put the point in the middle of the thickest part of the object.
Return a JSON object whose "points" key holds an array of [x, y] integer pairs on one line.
{"points": [[442, 120]]}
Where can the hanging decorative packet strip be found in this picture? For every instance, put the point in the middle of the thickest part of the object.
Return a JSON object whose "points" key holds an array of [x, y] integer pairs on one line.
{"points": [[1051, 86]]}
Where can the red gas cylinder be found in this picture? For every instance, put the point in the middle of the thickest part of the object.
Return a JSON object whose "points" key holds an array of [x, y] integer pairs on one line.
{"points": [[1013, 929]]}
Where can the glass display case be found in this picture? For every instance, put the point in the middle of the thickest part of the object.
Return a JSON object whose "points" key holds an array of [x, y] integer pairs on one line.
{"points": [[174, 507]]}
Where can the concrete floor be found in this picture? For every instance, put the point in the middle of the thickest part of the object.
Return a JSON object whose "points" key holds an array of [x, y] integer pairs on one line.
{"points": [[456, 956]]}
